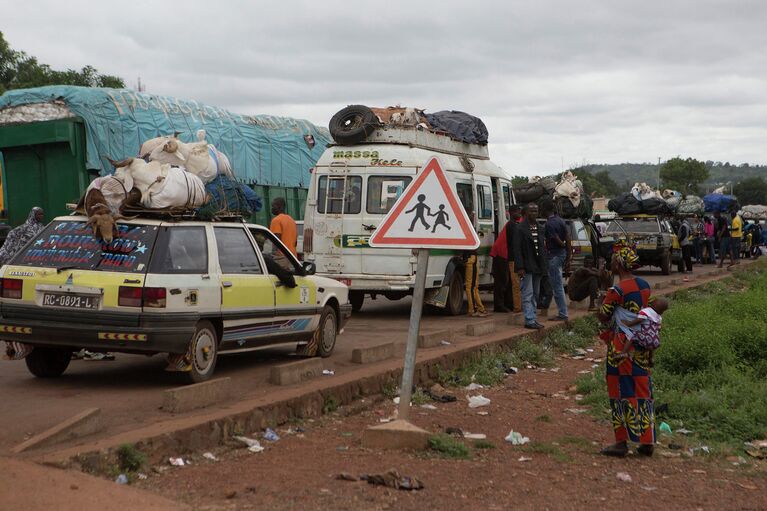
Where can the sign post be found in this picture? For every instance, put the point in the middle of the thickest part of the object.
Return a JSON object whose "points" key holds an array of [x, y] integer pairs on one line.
{"points": [[427, 215], [406, 388]]}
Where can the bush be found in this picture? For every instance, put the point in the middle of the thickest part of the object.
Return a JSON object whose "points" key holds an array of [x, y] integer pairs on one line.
{"points": [[129, 458], [448, 447]]}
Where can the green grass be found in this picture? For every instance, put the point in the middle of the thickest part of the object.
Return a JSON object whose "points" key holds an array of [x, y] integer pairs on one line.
{"points": [[549, 449], [129, 458], [483, 444], [420, 397], [543, 418], [488, 366], [330, 404], [711, 368], [448, 447]]}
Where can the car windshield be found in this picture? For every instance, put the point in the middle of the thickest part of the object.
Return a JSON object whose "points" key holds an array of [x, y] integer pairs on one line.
{"points": [[72, 245], [634, 225]]}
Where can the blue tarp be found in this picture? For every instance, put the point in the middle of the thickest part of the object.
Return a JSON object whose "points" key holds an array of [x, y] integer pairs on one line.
{"points": [[263, 149], [718, 202]]}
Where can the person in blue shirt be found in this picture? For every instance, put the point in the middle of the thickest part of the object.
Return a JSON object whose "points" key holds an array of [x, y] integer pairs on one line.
{"points": [[558, 252]]}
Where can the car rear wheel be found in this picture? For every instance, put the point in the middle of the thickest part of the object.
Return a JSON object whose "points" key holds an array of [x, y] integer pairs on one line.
{"points": [[203, 353], [327, 332], [665, 263], [356, 298], [455, 295], [48, 362]]}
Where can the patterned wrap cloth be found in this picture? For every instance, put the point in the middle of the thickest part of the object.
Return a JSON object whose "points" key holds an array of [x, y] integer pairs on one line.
{"points": [[629, 381]]}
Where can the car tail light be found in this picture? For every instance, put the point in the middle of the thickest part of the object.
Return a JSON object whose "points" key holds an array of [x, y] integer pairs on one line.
{"points": [[11, 288], [308, 240], [154, 297], [129, 296]]}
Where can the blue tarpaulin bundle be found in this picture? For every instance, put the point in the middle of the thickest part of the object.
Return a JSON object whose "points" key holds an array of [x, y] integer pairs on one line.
{"points": [[459, 125], [230, 197], [262, 149], [719, 202]]}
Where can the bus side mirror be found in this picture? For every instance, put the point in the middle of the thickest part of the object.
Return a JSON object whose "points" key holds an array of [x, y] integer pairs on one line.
{"points": [[309, 268]]}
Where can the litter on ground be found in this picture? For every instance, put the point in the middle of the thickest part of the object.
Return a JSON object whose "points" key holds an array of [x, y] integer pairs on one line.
{"points": [[477, 401], [623, 476], [209, 456], [516, 438], [393, 479], [253, 444]]}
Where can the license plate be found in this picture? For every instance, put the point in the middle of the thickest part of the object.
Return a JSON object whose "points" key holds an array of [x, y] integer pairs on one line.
{"points": [[70, 301], [646, 246]]}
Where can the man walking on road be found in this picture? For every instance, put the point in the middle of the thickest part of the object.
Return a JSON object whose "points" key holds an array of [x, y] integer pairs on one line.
{"points": [[283, 226], [558, 252], [530, 262]]}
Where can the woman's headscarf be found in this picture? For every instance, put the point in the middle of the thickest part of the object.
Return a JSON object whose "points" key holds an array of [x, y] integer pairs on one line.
{"points": [[626, 254], [20, 236]]}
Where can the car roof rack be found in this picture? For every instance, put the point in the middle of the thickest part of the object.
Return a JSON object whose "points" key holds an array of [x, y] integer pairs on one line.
{"points": [[177, 214]]}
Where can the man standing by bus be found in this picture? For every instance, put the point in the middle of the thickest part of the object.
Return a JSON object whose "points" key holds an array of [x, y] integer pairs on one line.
{"points": [[530, 262], [283, 226], [504, 299]]}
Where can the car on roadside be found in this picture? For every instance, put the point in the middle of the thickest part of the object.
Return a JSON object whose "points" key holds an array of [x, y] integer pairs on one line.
{"points": [[192, 289], [657, 244]]}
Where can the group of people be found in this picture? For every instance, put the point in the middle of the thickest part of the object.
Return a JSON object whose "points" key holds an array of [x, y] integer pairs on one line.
{"points": [[524, 252], [701, 239]]}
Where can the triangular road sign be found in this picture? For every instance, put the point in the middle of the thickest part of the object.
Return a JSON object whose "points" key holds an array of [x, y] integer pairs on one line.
{"points": [[427, 215]]}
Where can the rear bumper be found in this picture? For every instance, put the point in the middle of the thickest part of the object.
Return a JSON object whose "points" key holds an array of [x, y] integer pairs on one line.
{"points": [[363, 282], [155, 333]]}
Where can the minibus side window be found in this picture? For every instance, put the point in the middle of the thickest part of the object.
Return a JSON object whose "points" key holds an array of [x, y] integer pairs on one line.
{"points": [[485, 202], [466, 198], [339, 200], [383, 192]]}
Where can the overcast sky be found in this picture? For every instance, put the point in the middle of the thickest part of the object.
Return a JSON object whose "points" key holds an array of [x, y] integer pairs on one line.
{"points": [[556, 82]]}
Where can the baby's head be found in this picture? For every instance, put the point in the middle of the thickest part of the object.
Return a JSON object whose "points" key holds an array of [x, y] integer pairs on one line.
{"points": [[660, 305]]}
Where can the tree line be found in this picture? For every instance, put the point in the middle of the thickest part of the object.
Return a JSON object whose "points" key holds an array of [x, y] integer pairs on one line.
{"points": [[20, 71]]}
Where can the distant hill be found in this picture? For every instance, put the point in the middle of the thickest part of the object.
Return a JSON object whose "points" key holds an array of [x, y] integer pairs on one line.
{"points": [[630, 173]]}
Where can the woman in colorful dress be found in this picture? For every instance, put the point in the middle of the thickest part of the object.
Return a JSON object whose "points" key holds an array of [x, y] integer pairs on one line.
{"points": [[629, 383]]}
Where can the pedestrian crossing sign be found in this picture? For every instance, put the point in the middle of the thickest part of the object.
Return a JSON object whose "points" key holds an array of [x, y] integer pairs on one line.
{"points": [[427, 215]]}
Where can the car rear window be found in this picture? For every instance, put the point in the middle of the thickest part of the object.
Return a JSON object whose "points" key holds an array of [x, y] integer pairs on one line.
{"points": [[635, 225], [71, 245]]}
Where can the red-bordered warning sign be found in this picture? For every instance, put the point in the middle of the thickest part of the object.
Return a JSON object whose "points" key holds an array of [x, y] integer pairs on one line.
{"points": [[427, 215]]}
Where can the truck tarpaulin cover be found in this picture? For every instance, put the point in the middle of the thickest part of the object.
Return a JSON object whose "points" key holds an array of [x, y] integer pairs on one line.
{"points": [[263, 149], [459, 125]]}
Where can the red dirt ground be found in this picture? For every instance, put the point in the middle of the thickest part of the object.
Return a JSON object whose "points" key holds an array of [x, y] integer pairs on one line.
{"points": [[299, 471]]}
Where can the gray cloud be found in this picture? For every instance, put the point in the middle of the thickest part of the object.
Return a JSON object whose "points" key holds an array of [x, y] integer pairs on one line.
{"points": [[557, 82]]}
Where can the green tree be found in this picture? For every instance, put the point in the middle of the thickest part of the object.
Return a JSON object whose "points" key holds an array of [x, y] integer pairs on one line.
{"points": [[19, 71], [752, 190], [519, 180], [683, 175]]}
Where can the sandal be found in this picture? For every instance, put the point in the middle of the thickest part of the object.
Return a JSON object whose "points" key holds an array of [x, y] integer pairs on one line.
{"points": [[615, 450], [645, 450]]}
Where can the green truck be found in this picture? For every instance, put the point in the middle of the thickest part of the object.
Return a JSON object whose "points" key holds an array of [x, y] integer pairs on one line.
{"points": [[55, 140]]}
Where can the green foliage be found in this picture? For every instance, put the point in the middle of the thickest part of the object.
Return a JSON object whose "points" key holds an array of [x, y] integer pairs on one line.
{"points": [[483, 444], [448, 447], [598, 184], [129, 458], [486, 368], [420, 397], [519, 180], [533, 353], [752, 190], [683, 175], [543, 418], [330, 404], [548, 449], [19, 71]]}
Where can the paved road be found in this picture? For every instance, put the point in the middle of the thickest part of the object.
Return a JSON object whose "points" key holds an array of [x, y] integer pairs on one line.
{"points": [[129, 389]]}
